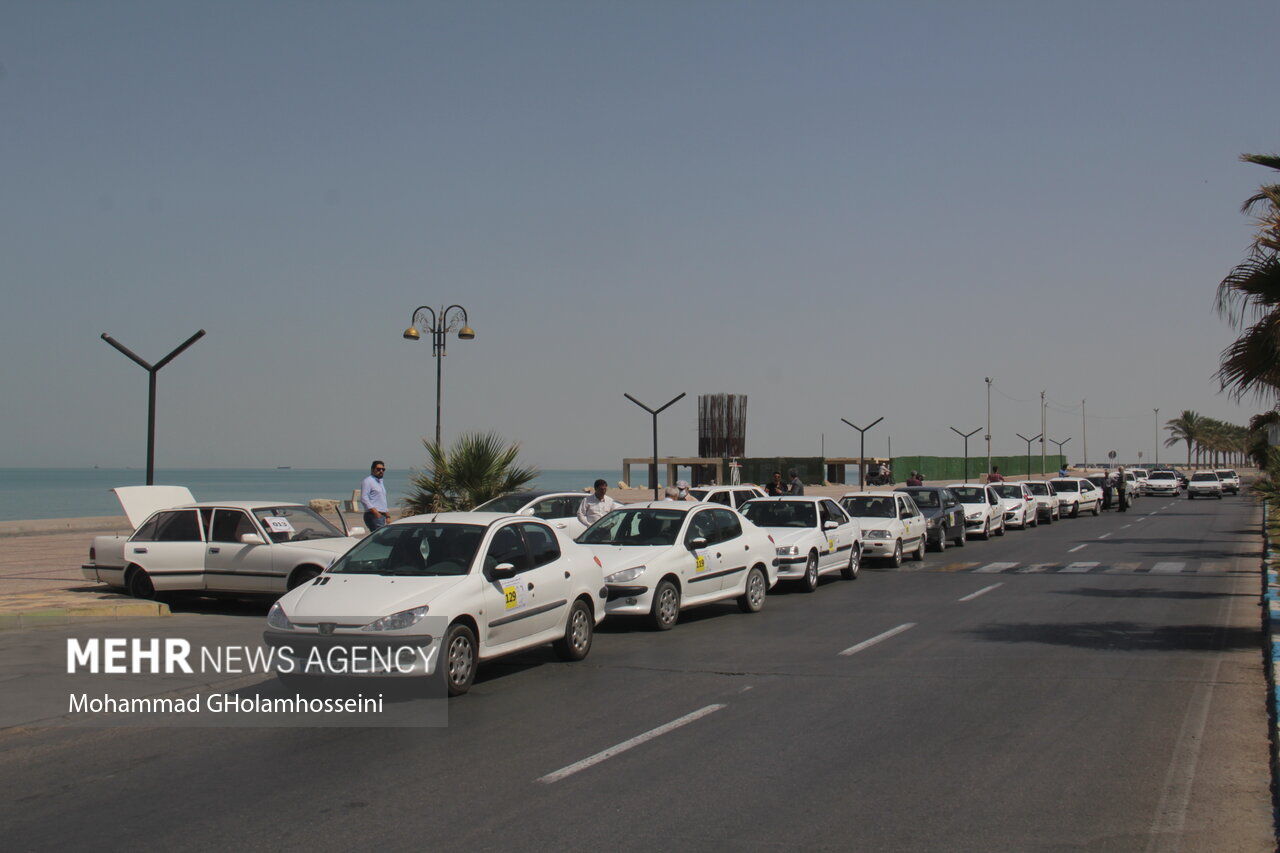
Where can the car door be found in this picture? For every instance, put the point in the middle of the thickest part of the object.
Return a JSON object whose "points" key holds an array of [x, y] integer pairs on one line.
{"points": [[996, 509], [701, 571], [170, 547], [231, 565], [516, 607], [952, 509], [838, 539], [913, 524], [732, 551], [559, 512]]}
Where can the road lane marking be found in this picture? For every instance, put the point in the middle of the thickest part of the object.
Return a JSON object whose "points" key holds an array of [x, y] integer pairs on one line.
{"points": [[993, 568], [853, 650], [1105, 535], [1167, 568], [629, 744], [1035, 568], [1077, 548], [1077, 568], [971, 596]]}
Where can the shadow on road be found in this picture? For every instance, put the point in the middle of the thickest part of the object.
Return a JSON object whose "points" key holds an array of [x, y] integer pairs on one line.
{"points": [[1151, 592], [1124, 636]]}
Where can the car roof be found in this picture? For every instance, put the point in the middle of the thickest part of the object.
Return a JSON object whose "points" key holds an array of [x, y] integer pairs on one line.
{"points": [[683, 506], [484, 519], [787, 498], [867, 494], [535, 495]]}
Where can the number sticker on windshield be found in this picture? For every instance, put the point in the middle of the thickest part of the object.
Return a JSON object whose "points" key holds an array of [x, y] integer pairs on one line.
{"points": [[276, 524]]}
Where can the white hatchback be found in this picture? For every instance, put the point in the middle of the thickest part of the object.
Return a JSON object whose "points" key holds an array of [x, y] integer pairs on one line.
{"points": [[1204, 484], [813, 537], [1077, 495], [1046, 500], [1230, 481], [983, 512], [1162, 483], [661, 557], [891, 524], [1020, 506]]}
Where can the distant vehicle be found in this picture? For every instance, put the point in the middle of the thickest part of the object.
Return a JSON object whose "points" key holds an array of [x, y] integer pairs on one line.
{"points": [[813, 537], [560, 509], [1140, 475], [1204, 484], [1020, 507], [943, 512], [1132, 485], [983, 511], [1162, 483], [730, 496], [891, 524], [1230, 480], [1046, 500]]}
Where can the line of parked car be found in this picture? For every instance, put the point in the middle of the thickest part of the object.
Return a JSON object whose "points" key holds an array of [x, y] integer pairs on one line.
{"points": [[521, 571]]}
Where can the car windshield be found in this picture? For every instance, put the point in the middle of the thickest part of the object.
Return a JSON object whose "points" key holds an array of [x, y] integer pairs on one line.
{"points": [[925, 500], [1065, 486], [1162, 475], [512, 503], [414, 549], [639, 526], [1226, 473], [867, 506], [1038, 488], [295, 524], [766, 513], [1009, 491], [970, 494], [1202, 476]]}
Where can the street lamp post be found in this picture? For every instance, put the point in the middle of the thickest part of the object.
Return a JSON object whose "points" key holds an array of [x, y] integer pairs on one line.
{"points": [[653, 469], [152, 370], [1060, 443], [1028, 441], [965, 436], [1157, 411], [439, 327], [862, 450], [988, 423]]}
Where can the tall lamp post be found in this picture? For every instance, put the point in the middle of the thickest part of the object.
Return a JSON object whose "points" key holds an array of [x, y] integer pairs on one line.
{"points": [[152, 370], [653, 469], [988, 424], [439, 326], [862, 450], [965, 436], [1028, 441], [1060, 443], [1157, 411]]}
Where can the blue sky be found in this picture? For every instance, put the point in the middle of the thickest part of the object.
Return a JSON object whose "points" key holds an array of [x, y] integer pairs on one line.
{"points": [[840, 209]]}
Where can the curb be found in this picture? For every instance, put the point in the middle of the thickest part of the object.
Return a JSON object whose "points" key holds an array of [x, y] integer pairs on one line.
{"points": [[44, 617], [1271, 635]]}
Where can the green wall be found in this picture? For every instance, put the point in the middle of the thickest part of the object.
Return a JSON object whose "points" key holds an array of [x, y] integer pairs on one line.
{"points": [[951, 468]]}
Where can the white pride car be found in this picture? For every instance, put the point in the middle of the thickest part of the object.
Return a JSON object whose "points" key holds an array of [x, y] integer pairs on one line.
{"points": [[661, 557], [891, 524], [457, 588], [813, 536], [983, 512]]}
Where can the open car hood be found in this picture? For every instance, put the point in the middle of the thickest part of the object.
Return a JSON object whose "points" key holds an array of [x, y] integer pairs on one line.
{"points": [[139, 502]]}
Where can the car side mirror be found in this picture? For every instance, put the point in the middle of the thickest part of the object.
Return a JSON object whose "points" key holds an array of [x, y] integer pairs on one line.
{"points": [[502, 571], [357, 531], [526, 511], [700, 542], [252, 539], [829, 525]]}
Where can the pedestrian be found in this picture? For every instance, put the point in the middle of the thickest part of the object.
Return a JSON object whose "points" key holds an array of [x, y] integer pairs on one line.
{"points": [[1122, 492], [373, 494], [682, 491], [596, 505], [794, 486], [1106, 492], [915, 479], [671, 493], [1062, 470], [995, 476], [774, 487]]}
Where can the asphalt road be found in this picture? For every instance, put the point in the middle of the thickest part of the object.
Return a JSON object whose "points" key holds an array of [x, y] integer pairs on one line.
{"points": [[1092, 685]]}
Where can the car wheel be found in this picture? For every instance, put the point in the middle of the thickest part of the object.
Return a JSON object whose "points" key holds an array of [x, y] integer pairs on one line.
{"points": [[578, 631], [1095, 508], [302, 575], [457, 666], [1002, 529], [140, 585], [850, 572], [986, 531], [666, 606], [896, 559], [942, 540], [918, 556], [810, 580], [1190, 496], [961, 536], [1075, 510], [752, 600]]}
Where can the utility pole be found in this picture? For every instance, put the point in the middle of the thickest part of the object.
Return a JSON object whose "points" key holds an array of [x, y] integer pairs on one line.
{"points": [[1044, 430], [988, 424], [1157, 411], [1084, 431]]}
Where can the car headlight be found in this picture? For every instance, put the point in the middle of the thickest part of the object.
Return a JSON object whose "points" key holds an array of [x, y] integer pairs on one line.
{"points": [[789, 551], [974, 516], [878, 534], [625, 575], [276, 618], [397, 621]]}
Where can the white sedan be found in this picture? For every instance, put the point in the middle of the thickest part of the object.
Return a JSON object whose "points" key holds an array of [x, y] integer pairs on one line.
{"points": [[1077, 495], [1162, 483], [559, 509], [452, 589], [813, 536], [734, 496], [891, 524], [661, 557], [983, 512], [1046, 500], [1204, 484], [1020, 506], [230, 547]]}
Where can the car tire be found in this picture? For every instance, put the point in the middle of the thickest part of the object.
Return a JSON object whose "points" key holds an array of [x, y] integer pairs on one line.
{"points": [[1190, 496], [809, 582], [301, 575], [918, 556], [458, 659], [942, 540], [666, 606], [961, 537], [752, 599], [140, 585], [579, 629], [1095, 509], [850, 572], [896, 559], [1003, 529], [986, 531], [1075, 510]]}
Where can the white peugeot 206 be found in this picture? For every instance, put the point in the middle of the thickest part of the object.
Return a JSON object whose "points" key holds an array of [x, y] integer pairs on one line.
{"points": [[813, 536], [661, 557], [456, 588]]}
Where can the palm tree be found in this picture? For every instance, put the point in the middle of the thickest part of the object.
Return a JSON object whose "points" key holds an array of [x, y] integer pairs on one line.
{"points": [[1188, 427], [1249, 297], [477, 468]]}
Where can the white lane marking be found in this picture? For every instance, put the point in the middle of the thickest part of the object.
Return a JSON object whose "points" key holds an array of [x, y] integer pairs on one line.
{"points": [[1140, 519], [1034, 568], [986, 589], [1105, 535], [992, 568], [853, 650], [628, 744], [1077, 568], [1126, 527], [1077, 548], [1167, 568]]}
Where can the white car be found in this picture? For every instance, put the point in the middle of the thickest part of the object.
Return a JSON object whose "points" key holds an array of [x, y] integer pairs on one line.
{"points": [[1132, 486], [1162, 483], [560, 509], [455, 588], [1204, 484], [1140, 476], [731, 496], [1230, 480], [661, 557], [1077, 495], [1020, 507], [217, 547], [983, 512], [813, 537], [891, 524], [1046, 500]]}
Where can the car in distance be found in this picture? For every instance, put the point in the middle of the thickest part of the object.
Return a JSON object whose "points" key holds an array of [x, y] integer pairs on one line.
{"points": [[1020, 507], [219, 547], [1204, 484], [1162, 483], [1140, 476], [731, 496], [492, 584], [661, 557], [1230, 481], [560, 509], [983, 512], [891, 524], [1077, 495], [943, 513], [1046, 500], [812, 537]]}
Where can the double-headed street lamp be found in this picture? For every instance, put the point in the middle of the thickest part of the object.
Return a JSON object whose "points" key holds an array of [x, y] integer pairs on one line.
{"points": [[439, 327], [965, 436], [1028, 441], [862, 450], [653, 469]]}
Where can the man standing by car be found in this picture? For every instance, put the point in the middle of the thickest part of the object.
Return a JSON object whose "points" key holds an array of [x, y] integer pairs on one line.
{"points": [[794, 487], [774, 487], [1122, 494], [373, 494], [995, 476], [596, 505]]}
